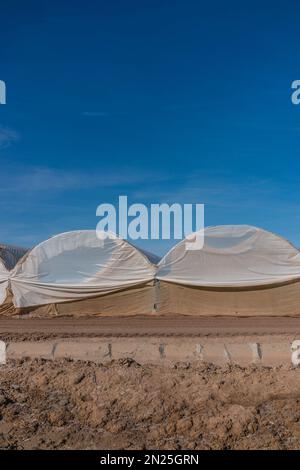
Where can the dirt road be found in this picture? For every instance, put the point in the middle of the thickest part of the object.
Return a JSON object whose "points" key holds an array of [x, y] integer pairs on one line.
{"points": [[149, 326]]}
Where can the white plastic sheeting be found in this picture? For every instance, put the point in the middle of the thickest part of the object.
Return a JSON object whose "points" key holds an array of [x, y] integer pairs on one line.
{"points": [[4, 274], [76, 265], [232, 256], [9, 255]]}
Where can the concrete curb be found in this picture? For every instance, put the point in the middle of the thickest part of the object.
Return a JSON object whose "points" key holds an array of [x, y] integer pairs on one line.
{"points": [[157, 350]]}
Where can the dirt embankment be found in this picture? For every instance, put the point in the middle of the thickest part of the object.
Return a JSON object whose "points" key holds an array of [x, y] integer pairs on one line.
{"points": [[123, 405]]}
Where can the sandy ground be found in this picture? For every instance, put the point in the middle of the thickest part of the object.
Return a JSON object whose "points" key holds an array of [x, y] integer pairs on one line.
{"points": [[42, 328], [77, 405]]}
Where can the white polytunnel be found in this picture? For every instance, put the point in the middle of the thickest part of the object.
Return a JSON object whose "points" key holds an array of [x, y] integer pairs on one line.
{"points": [[9, 256], [240, 271], [232, 256], [78, 265]]}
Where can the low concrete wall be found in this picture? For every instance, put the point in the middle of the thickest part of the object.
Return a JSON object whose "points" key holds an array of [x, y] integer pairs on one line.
{"points": [[158, 350]]}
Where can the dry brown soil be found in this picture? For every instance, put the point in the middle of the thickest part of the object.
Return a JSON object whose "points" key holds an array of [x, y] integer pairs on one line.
{"points": [[123, 405]]}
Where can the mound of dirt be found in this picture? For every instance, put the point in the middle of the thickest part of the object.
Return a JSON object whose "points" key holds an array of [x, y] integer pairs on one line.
{"points": [[79, 405]]}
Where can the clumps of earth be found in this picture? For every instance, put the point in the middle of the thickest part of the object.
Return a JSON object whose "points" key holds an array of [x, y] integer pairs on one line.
{"points": [[123, 405]]}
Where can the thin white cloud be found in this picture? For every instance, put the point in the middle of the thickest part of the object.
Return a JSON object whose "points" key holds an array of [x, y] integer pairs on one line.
{"points": [[42, 179], [221, 191], [7, 137]]}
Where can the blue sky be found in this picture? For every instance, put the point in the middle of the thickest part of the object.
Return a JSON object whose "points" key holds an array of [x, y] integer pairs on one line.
{"points": [[165, 101]]}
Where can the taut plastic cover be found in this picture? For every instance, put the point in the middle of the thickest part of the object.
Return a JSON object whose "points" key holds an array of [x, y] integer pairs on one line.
{"points": [[232, 256]]}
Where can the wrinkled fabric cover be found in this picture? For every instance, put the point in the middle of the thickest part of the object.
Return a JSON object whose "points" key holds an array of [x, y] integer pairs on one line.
{"points": [[9, 256], [232, 256], [77, 265], [7, 307], [136, 300], [3, 281]]}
